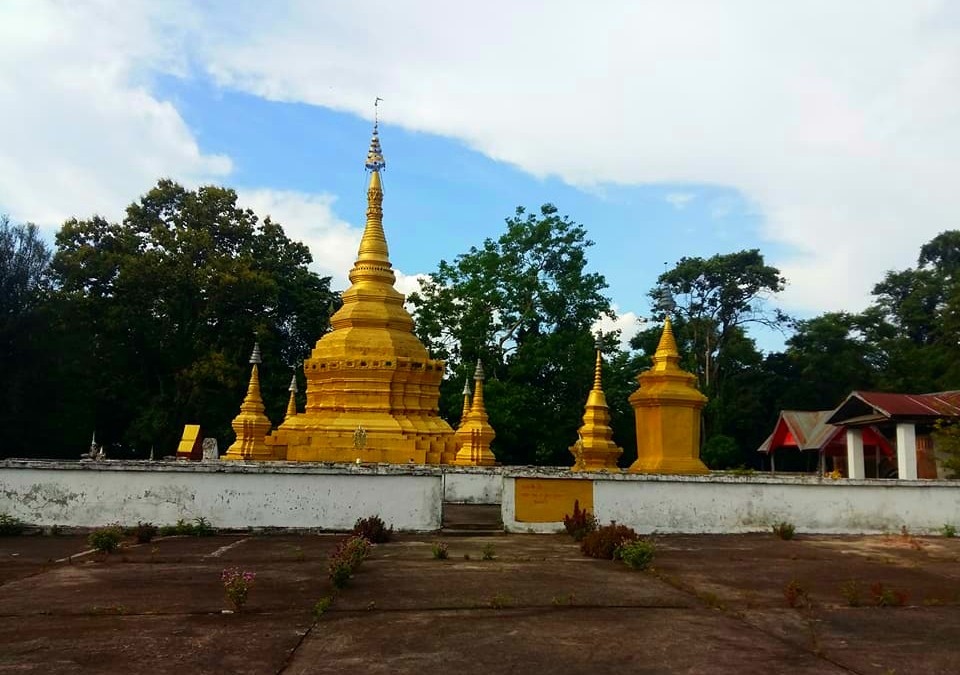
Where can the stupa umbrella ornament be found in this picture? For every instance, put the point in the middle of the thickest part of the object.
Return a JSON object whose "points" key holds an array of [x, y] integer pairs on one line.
{"points": [[252, 424], [595, 449], [467, 393]]}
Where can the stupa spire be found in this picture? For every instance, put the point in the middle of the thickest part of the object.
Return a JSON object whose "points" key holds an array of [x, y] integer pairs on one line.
{"points": [[667, 356], [292, 403], [466, 402], [595, 449], [475, 433], [373, 257], [252, 424]]}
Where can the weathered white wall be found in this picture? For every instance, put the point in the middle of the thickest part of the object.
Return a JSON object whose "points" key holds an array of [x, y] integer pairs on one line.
{"points": [[229, 495], [472, 486], [745, 504]]}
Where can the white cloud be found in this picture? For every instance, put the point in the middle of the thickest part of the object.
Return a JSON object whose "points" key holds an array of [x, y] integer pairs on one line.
{"points": [[628, 323], [309, 218], [408, 283], [837, 121], [679, 200], [80, 133]]}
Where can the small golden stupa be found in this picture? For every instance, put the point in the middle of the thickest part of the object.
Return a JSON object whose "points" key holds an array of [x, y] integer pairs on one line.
{"points": [[252, 424], [475, 433], [370, 372], [595, 449], [667, 410]]}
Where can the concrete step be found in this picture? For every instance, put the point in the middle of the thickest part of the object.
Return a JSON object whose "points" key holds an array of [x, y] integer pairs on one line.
{"points": [[471, 519]]}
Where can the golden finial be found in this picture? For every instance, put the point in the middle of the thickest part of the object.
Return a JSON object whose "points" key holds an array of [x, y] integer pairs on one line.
{"points": [[598, 345], [375, 161], [373, 257], [667, 356]]}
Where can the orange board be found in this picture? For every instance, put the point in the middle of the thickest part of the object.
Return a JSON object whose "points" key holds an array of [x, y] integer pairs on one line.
{"points": [[548, 500]]}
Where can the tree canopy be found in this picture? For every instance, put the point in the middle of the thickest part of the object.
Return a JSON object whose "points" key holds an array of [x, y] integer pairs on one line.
{"points": [[150, 321]]}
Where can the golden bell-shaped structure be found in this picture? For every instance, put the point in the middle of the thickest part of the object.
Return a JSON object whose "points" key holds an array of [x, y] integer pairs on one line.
{"points": [[595, 449], [252, 424], [370, 371], [475, 433], [667, 410]]}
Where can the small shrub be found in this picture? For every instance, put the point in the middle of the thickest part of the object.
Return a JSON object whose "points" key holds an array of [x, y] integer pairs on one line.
{"points": [[106, 540], [340, 573], [352, 551], [237, 584], [466, 556], [948, 530], [796, 595], [144, 532], [606, 540], [500, 600], [852, 592], [580, 523], [322, 605], [636, 554], [884, 596], [440, 551], [489, 552], [10, 526], [784, 530], [373, 529], [202, 528]]}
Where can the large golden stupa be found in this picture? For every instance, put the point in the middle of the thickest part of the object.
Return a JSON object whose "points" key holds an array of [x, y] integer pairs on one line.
{"points": [[372, 388]]}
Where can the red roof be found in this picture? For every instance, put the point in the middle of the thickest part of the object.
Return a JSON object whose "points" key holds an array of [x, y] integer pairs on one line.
{"points": [[864, 406]]}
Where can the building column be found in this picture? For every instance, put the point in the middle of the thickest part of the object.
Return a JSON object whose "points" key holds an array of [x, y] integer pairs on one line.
{"points": [[855, 467], [906, 451]]}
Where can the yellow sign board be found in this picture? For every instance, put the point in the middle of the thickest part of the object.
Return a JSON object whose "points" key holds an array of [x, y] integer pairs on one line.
{"points": [[190, 442], [548, 500]]}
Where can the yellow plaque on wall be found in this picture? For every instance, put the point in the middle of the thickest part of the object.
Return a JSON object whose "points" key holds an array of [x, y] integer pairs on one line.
{"points": [[548, 500]]}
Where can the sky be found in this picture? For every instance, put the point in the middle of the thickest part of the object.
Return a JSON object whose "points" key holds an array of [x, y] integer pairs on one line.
{"points": [[826, 134]]}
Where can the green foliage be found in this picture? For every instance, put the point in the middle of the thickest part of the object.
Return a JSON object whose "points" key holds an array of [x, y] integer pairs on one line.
{"points": [[721, 452], [946, 438], [524, 304], [886, 596], [948, 530], [580, 523], [144, 532], [10, 526], [24, 282], [784, 530], [151, 321], [489, 552], [373, 530], [852, 592], [237, 584], [604, 542], [200, 527], [106, 540], [439, 550], [322, 605], [636, 554], [346, 559]]}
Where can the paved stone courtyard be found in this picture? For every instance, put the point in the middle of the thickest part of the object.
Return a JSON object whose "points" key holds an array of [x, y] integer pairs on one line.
{"points": [[712, 604]]}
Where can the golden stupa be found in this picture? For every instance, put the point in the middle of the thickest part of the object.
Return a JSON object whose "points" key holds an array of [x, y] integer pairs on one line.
{"points": [[474, 433], [595, 449], [372, 388], [252, 424], [667, 410]]}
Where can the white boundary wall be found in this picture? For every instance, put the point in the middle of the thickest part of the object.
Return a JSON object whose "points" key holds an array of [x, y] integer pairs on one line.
{"points": [[228, 494], [725, 503], [328, 496]]}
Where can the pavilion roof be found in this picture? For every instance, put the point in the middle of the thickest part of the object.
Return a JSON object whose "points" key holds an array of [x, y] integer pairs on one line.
{"points": [[870, 407], [809, 429]]}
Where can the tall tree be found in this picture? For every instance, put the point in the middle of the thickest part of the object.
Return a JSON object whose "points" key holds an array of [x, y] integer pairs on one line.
{"points": [[24, 260], [159, 313], [524, 305]]}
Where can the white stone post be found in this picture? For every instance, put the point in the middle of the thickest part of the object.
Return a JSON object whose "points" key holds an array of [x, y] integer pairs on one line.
{"points": [[906, 451], [855, 467]]}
